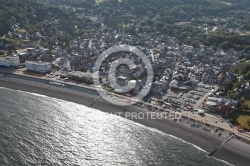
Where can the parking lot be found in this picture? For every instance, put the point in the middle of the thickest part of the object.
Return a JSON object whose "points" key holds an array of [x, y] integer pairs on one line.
{"points": [[191, 100]]}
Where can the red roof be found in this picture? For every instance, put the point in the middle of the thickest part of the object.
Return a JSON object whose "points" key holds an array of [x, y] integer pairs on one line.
{"points": [[239, 127]]}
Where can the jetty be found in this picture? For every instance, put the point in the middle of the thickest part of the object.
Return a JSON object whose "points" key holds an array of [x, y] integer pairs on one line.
{"points": [[212, 153], [96, 99]]}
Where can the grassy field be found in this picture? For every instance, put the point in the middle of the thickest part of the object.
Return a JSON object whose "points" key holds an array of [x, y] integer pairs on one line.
{"points": [[243, 121]]}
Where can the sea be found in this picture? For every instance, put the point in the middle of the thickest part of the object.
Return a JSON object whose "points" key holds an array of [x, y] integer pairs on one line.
{"points": [[40, 130]]}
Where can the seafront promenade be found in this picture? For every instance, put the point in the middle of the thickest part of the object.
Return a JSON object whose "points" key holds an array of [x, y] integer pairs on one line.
{"points": [[208, 119], [235, 150]]}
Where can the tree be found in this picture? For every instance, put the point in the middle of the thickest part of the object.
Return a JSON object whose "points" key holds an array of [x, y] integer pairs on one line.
{"points": [[2, 52], [229, 84], [238, 47], [247, 48], [225, 45]]}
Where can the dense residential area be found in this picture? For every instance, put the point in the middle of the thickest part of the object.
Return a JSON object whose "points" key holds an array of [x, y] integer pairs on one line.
{"points": [[200, 55]]}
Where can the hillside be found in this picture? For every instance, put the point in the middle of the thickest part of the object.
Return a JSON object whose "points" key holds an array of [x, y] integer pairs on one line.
{"points": [[134, 17], [34, 16]]}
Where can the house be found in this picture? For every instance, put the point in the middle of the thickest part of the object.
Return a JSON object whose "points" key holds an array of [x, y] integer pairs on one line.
{"points": [[157, 87], [122, 81], [221, 101], [226, 109], [62, 63]]}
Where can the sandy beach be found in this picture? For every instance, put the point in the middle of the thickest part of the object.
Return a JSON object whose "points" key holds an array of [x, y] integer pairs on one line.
{"points": [[234, 152]]}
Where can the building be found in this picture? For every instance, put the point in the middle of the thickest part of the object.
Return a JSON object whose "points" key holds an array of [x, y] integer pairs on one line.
{"points": [[157, 87], [85, 77], [122, 81], [38, 66], [9, 61], [174, 84], [62, 63], [226, 109], [4, 62], [211, 106]]}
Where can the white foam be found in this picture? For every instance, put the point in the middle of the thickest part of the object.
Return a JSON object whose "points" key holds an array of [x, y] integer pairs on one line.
{"points": [[35, 94], [223, 161], [197, 147], [158, 131], [5, 88]]}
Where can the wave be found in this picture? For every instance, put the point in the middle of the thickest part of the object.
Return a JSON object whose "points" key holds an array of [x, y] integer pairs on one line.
{"points": [[35, 94], [160, 132], [5, 88], [223, 161]]}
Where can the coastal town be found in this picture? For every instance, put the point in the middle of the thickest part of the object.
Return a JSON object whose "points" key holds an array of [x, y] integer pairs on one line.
{"points": [[199, 53], [189, 80]]}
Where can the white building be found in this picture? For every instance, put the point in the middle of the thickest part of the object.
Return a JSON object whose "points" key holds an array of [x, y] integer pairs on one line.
{"points": [[174, 84], [10, 61], [41, 67], [62, 63]]}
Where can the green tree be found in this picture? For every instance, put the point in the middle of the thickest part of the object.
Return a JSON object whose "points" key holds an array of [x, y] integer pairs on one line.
{"points": [[225, 45], [247, 48]]}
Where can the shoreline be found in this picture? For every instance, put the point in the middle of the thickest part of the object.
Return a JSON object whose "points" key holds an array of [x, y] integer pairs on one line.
{"points": [[231, 154]]}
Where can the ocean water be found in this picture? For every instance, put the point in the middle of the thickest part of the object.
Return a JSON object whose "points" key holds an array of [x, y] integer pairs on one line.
{"points": [[39, 130]]}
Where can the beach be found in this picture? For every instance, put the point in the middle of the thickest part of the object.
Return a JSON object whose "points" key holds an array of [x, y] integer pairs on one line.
{"points": [[234, 151]]}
